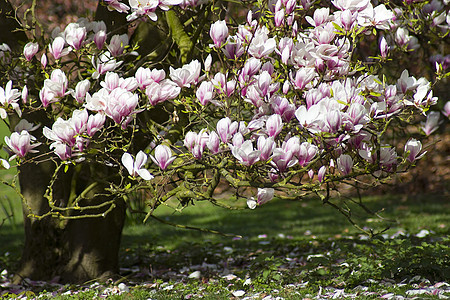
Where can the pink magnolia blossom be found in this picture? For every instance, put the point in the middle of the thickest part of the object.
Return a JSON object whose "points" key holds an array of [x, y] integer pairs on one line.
{"points": [[121, 105], [226, 129], [117, 44], [266, 147], [62, 131], [279, 18], [205, 92], [274, 125], [321, 173], [29, 50], [43, 61], [320, 16], [47, 96], [75, 35], [9, 96], [302, 77], [100, 39], [213, 142], [95, 123], [306, 153], [263, 196], [261, 45], [135, 167], [24, 94], [56, 48], [81, 90], [432, 123], [57, 84], [186, 75], [218, 33], [283, 159], [79, 120], [245, 153], [103, 64], [160, 92], [345, 164], [145, 76], [384, 48], [63, 151], [412, 149], [163, 156], [117, 5], [233, 49], [20, 143], [446, 111], [281, 106]]}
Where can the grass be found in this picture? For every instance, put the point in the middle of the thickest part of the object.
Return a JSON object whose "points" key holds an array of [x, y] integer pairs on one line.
{"points": [[288, 249]]}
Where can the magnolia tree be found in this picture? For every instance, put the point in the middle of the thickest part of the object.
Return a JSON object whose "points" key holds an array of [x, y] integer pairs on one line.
{"points": [[287, 99]]}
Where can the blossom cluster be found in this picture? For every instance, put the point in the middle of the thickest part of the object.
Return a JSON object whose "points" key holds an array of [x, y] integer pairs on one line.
{"points": [[275, 99]]}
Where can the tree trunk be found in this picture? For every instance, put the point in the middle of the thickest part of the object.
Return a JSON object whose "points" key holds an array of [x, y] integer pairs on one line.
{"points": [[73, 250]]}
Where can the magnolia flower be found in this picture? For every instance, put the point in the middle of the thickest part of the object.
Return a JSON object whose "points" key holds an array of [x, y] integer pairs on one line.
{"points": [[163, 156], [345, 164], [283, 159], [103, 64], [25, 125], [95, 123], [62, 150], [261, 45], [24, 94], [160, 92], [213, 142], [135, 167], [81, 90], [412, 149], [75, 35], [186, 75], [321, 173], [43, 61], [226, 129], [56, 48], [117, 44], [303, 77], [274, 125], [29, 50], [205, 92], [62, 131], [245, 153], [9, 96], [446, 111], [79, 120], [20, 143], [121, 105], [218, 32], [100, 39], [432, 123], [265, 146], [57, 84], [384, 47], [263, 196]]}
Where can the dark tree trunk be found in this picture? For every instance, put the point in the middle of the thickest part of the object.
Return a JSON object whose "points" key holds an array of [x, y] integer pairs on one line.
{"points": [[74, 250]]}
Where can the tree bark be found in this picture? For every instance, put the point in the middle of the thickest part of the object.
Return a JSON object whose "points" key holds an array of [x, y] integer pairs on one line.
{"points": [[73, 250]]}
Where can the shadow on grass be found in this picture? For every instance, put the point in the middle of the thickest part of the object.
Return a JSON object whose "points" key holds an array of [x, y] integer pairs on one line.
{"points": [[295, 219]]}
